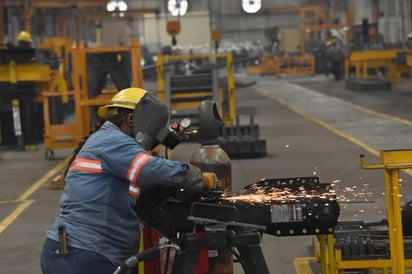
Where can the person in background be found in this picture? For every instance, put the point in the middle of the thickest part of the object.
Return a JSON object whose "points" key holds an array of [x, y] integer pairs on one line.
{"points": [[98, 227], [24, 40], [408, 42], [335, 57]]}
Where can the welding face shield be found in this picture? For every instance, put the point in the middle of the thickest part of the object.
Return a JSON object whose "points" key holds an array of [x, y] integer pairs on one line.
{"points": [[150, 120]]}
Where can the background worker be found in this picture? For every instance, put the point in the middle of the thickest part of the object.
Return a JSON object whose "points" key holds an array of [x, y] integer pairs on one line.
{"points": [[24, 41], [408, 42], [335, 57], [107, 173]]}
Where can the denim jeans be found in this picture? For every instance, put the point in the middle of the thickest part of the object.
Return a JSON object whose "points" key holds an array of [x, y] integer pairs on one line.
{"points": [[76, 261]]}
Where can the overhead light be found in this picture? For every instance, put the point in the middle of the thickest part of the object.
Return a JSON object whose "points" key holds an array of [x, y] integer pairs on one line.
{"points": [[111, 6], [251, 6], [177, 7], [116, 5], [122, 5]]}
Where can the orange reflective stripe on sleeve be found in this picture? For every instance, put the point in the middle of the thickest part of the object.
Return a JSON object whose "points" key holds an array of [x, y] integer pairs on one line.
{"points": [[134, 190], [134, 171], [136, 166], [87, 165]]}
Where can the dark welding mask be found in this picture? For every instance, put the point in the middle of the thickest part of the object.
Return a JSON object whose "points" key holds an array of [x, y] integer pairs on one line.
{"points": [[150, 120]]}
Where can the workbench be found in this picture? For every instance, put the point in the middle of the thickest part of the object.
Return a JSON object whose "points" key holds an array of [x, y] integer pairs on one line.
{"points": [[386, 60]]}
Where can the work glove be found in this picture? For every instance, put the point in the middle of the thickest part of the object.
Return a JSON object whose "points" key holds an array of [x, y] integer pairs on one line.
{"points": [[210, 180], [196, 184], [194, 180]]}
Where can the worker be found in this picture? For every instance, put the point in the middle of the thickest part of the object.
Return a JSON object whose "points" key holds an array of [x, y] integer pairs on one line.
{"points": [[98, 225], [24, 40], [335, 57], [408, 42]]}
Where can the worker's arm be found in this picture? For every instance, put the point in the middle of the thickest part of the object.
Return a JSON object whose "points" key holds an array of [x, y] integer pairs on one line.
{"points": [[128, 160]]}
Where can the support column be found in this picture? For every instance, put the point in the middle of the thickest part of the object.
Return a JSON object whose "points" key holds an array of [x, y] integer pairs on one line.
{"points": [[2, 10]]}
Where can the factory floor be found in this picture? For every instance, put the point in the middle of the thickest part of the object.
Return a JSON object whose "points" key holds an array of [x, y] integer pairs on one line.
{"points": [[313, 126]]}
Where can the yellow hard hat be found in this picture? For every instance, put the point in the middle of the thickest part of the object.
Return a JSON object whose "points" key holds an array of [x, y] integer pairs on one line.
{"points": [[24, 36], [126, 98]]}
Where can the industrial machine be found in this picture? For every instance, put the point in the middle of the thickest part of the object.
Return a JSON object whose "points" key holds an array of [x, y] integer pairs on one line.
{"points": [[314, 22], [97, 74], [372, 65], [235, 221], [183, 91], [25, 74]]}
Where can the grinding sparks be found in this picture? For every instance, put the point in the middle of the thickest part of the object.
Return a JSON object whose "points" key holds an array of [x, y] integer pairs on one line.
{"points": [[281, 192]]}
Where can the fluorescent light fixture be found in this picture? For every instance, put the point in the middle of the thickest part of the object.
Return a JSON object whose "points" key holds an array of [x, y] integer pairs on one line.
{"points": [[122, 5], [251, 6], [111, 6], [116, 5], [177, 7]]}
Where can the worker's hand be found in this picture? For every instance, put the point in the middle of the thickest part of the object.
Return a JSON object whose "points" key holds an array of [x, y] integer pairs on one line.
{"points": [[194, 179], [196, 184]]}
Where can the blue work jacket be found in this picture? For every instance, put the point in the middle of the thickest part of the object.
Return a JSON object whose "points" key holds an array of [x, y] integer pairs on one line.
{"points": [[102, 186]]}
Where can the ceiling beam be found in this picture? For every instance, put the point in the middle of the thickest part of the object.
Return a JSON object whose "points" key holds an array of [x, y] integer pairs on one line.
{"points": [[58, 4]]}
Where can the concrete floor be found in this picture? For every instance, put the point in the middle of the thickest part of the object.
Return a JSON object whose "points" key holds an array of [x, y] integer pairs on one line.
{"points": [[313, 126]]}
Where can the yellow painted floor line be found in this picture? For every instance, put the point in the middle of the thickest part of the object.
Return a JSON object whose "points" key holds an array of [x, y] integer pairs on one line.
{"points": [[33, 188], [24, 200], [302, 265], [13, 216], [332, 129]]}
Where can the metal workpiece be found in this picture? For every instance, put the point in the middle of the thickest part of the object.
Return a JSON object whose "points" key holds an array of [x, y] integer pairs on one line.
{"points": [[288, 206], [278, 207]]}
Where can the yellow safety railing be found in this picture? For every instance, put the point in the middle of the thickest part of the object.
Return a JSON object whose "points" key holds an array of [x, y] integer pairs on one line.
{"points": [[330, 257]]}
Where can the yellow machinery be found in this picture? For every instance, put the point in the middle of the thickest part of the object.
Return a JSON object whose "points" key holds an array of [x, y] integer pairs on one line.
{"points": [[312, 19], [363, 62], [91, 67], [201, 86], [23, 78], [287, 65], [329, 255], [62, 47]]}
